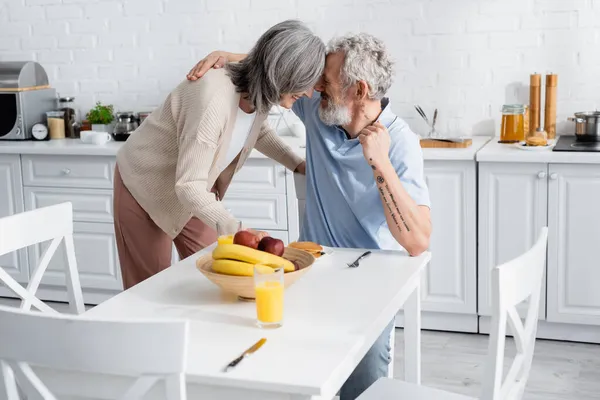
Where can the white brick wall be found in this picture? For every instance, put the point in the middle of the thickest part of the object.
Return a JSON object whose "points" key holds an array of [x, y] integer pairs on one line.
{"points": [[465, 57]]}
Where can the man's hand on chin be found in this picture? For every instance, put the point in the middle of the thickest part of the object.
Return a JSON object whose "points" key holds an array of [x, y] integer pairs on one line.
{"points": [[375, 141]]}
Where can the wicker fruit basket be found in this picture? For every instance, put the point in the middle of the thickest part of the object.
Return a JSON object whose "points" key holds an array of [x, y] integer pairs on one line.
{"points": [[243, 286]]}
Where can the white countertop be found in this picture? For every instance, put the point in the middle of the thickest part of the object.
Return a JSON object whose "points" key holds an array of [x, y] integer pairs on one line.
{"points": [[468, 153], [77, 147], [499, 152]]}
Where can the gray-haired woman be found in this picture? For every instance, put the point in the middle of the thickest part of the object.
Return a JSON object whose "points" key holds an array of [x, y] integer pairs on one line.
{"points": [[173, 171]]}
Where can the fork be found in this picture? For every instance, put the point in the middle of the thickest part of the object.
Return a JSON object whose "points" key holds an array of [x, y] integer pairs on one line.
{"points": [[356, 262]]}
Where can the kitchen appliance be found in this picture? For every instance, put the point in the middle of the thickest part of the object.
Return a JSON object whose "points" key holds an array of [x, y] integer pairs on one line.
{"points": [[126, 124], [25, 97], [571, 143], [587, 126]]}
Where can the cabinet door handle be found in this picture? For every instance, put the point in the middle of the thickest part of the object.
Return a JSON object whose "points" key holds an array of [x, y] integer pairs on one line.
{"points": [[66, 171], [553, 175], [541, 174]]}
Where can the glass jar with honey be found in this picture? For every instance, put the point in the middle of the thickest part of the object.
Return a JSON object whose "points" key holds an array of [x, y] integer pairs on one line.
{"points": [[513, 123]]}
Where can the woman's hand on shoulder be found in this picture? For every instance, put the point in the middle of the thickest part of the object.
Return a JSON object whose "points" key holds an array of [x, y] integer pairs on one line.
{"points": [[216, 59]]}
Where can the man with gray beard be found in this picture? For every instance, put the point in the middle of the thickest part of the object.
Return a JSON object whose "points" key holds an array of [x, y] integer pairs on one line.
{"points": [[364, 168]]}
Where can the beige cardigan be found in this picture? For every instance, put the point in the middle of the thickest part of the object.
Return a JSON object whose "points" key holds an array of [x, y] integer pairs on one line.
{"points": [[172, 161]]}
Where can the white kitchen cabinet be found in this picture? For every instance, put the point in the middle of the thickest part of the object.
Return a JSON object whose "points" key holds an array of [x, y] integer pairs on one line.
{"points": [[512, 210], [96, 255], [68, 171], [259, 176], [89, 205], [262, 211], [450, 282], [86, 182], [574, 244], [11, 202]]}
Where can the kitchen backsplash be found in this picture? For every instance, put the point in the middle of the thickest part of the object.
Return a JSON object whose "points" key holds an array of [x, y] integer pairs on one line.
{"points": [[464, 57]]}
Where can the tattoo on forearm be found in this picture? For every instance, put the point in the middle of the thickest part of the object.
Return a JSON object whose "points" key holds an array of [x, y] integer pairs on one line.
{"points": [[384, 196], [397, 208]]}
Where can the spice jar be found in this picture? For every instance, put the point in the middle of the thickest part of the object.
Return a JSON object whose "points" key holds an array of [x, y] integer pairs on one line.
{"points": [[72, 125], [56, 124], [513, 123]]}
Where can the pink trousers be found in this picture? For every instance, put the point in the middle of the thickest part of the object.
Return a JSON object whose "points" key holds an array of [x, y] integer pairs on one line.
{"points": [[145, 249]]}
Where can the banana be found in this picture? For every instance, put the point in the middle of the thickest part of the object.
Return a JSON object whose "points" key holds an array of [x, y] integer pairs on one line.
{"points": [[252, 256], [239, 268]]}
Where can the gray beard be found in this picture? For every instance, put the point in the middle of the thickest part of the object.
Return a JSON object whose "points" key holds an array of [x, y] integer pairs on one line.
{"points": [[335, 114]]}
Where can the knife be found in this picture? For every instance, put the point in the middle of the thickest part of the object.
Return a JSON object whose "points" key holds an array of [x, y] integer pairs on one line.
{"points": [[245, 354]]}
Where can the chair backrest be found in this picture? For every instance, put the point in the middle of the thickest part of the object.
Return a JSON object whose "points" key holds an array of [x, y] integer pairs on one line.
{"points": [[513, 282], [149, 350], [53, 223]]}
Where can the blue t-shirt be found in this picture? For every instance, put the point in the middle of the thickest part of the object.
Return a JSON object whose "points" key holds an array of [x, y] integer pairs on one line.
{"points": [[343, 206]]}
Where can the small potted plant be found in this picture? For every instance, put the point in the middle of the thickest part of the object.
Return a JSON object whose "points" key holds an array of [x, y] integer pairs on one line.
{"points": [[102, 118]]}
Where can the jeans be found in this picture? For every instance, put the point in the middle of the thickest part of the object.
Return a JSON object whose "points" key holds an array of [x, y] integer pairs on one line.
{"points": [[373, 366]]}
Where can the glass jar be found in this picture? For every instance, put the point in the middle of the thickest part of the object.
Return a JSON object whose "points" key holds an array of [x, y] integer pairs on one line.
{"points": [[72, 125], [513, 123], [56, 124]]}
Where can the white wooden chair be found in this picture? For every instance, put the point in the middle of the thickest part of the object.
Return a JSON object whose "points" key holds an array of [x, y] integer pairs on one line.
{"points": [[512, 283], [149, 350], [18, 231], [32, 227]]}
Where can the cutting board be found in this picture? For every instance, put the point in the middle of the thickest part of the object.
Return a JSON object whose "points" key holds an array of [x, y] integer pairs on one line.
{"points": [[432, 143]]}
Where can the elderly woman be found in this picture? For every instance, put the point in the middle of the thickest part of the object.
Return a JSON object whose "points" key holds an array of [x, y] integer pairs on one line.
{"points": [[173, 171]]}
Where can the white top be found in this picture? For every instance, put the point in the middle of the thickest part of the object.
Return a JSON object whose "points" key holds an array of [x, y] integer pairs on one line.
{"points": [[332, 316], [241, 130], [502, 152]]}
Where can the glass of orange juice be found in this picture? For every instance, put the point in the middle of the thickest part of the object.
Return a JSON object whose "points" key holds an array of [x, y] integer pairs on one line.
{"points": [[225, 233], [268, 286]]}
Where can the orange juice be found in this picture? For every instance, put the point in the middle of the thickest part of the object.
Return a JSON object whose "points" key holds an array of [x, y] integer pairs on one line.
{"points": [[225, 239], [269, 302]]}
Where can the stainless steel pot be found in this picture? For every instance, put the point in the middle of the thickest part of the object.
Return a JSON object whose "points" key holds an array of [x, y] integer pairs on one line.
{"points": [[587, 126]]}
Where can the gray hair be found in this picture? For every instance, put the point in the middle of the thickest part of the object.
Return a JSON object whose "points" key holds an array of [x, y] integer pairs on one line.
{"points": [[366, 59], [287, 58]]}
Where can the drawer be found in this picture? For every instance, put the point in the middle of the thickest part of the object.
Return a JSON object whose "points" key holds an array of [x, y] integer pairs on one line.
{"points": [[96, 255], [69, 171], [89, 205], [259, 176], [258, 211]]}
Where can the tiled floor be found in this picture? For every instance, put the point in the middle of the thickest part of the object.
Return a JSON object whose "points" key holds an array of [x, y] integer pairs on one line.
{"points": [[456, 362]]}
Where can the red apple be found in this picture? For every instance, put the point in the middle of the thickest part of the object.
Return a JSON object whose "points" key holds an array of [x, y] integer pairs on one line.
{"points": [[245, 238], [271, 245]]}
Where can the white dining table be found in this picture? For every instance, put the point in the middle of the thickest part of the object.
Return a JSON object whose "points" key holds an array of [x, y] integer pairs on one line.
{"points": [[332, 316]]}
